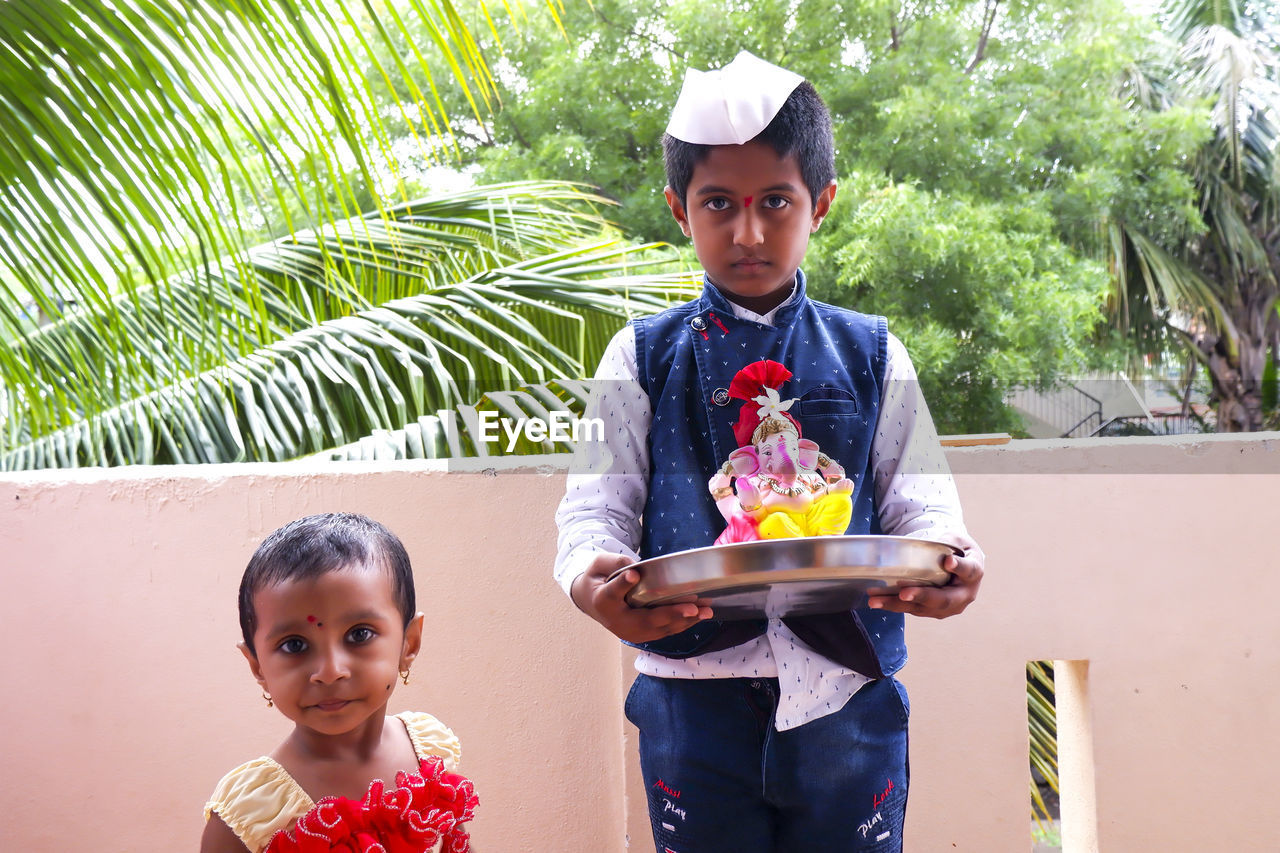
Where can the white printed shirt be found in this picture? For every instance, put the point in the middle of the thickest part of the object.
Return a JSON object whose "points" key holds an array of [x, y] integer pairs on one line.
{"points": [[602, 507]]}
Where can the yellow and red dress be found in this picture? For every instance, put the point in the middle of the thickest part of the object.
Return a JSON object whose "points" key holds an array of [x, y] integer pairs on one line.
{"points": [[425, 811]]}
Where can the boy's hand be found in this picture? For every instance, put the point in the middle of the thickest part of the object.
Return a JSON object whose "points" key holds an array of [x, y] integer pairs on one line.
{"points": [[603, 599], [942, 601]]}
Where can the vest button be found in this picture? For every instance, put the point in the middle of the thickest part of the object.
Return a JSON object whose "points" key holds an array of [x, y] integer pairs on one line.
{"points": [[720, 396], [698, 324]]}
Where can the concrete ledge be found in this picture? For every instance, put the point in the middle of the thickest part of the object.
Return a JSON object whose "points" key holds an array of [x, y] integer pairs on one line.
{"points": [[1173, 454]]}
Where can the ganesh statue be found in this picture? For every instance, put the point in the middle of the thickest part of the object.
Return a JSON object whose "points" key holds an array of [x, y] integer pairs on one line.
{"points": [[777, 484]]}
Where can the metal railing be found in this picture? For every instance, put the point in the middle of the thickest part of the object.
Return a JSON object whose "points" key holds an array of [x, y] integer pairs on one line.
{"points": [[1157, 424], [1075, 413]]}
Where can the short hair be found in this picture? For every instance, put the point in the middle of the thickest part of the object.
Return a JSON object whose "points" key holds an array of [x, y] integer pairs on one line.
{"points": [[319, 544], [802, 127]]}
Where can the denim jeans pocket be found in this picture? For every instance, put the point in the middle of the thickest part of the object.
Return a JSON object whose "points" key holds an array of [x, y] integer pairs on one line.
{"points": [[881, 832], [903, 700], [630, 705]]}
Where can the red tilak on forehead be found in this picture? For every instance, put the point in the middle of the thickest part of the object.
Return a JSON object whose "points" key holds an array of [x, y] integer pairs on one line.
{"points": [[747, 201], [311, 618]]}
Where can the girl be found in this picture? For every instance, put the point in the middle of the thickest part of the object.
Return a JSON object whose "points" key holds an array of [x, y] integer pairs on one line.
{"points": [[328, 617]]}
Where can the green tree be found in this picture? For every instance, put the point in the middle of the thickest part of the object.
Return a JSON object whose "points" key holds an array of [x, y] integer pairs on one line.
{"points": [[989, 149], [981, 149], [210, 248], [589, 108], [1214, 288]]}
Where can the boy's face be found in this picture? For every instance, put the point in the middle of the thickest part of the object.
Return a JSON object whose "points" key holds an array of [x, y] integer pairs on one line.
{"points": [[329, 649], [750, 216]]}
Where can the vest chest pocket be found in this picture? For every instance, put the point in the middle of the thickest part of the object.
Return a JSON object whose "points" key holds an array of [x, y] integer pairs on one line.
{"points": [[826, 403]]}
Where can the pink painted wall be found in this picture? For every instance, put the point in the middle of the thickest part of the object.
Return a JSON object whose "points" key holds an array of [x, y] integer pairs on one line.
{"points": [[126, 698]]}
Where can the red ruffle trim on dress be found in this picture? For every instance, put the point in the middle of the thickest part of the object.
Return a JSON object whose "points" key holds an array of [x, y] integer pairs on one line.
{"points": [[423, 809]]}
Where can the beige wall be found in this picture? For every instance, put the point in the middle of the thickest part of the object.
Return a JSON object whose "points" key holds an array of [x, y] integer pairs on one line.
{"points": [[125, 698]]}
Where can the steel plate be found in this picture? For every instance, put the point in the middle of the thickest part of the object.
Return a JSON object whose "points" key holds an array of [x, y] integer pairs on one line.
{"points": [[789, 577]]}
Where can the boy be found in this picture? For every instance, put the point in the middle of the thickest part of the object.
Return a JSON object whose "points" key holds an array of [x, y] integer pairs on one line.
{"points": [[779, 734]]}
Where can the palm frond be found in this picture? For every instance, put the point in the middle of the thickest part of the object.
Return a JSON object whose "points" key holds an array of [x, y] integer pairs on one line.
{"points": [[1042, 722], [1238, 75], [1213, 290], [389, 365], [123, 104], [129, 132], [465, 431], [1164, 284], [152, 336], [146, 148], [197, 319], [1182, 17]]}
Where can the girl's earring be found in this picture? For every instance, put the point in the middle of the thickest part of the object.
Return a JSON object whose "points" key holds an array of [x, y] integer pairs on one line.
{"points": [[270, 703], [405, 676]]}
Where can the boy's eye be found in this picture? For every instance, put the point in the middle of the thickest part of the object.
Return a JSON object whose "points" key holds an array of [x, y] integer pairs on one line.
{"points": [[774, 202], [716, 203], [293, 646], [362, 634]]}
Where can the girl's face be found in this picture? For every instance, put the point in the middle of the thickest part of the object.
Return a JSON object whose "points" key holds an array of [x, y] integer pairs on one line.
{"points": [[329, 649]]}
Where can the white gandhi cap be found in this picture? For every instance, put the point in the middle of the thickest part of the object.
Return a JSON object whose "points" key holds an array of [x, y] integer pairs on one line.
{"points": [[733, 104]]}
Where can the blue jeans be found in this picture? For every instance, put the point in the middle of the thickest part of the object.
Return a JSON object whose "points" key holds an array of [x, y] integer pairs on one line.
{"points": [[719, 777]]}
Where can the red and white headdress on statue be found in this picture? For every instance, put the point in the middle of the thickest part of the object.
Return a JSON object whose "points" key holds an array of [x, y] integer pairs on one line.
{"points": [[758, 386]]}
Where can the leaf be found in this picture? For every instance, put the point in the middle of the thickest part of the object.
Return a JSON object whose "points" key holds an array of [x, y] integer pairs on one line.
{"points": [[369, 371]]}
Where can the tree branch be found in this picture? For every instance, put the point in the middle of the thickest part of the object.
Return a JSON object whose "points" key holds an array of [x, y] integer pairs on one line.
{"points": [[515, 128], [988, 20], [636, 34]]}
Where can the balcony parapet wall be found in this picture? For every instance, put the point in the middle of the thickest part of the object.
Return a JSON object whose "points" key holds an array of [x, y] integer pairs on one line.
{"points": [[1153, 560]]}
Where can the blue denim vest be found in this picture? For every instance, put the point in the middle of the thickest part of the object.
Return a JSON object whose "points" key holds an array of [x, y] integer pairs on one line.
{"points": [[687, 357]]}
